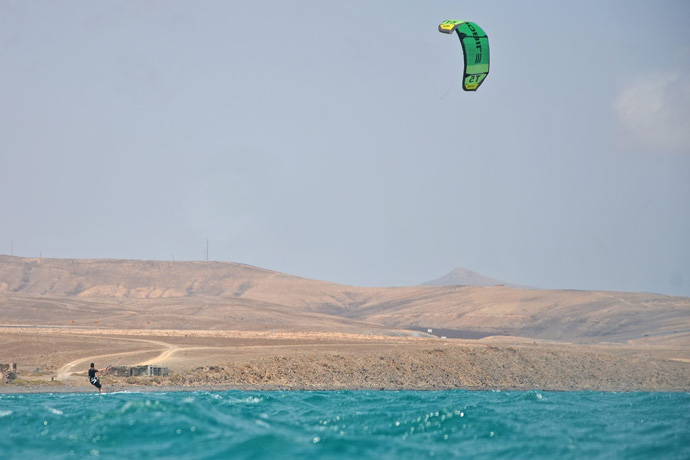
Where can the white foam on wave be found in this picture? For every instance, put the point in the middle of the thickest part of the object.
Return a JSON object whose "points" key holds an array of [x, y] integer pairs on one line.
{"points": [[55, 411], [5, 413]]}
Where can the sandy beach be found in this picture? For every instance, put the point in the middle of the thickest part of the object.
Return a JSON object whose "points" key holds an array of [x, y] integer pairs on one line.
{"points": [[261, 360]]}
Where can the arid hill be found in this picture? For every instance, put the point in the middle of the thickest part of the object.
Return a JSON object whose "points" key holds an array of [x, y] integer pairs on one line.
{"points": [[214, 295], [464, 277]]}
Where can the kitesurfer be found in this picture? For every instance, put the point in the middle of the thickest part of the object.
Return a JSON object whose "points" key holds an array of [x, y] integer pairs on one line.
{"points": [[93, 379]]}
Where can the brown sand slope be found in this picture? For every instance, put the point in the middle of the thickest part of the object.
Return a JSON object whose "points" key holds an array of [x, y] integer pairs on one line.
{"points": [[295, 360], [201, 295], [237, 325]]}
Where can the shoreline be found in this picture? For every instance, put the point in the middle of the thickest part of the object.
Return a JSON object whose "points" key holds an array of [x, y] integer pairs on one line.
{"points": [[268, 361], [456, 367], [70, 389]]}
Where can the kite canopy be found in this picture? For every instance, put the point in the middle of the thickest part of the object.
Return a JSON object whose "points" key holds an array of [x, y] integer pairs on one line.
{"points": [[475, 46]]}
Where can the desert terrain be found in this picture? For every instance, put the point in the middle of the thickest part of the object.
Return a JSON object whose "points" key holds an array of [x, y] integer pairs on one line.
{"points": [[225, 325]]}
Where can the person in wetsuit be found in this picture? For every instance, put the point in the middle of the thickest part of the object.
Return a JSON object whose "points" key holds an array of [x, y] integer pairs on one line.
{"points": [[93, 379]]}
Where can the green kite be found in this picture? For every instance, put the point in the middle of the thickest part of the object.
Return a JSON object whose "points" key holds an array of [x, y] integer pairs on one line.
{"points": [[475, 45]]}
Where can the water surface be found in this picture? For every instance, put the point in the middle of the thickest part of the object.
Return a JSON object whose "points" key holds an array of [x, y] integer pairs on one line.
{"points": [[346, 424]]}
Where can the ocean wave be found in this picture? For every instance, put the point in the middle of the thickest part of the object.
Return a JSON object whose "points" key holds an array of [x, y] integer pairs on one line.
{"points": [[347, 424]]}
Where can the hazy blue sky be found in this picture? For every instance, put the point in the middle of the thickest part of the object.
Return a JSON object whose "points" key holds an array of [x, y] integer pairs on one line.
{"points": [[332, 140]]}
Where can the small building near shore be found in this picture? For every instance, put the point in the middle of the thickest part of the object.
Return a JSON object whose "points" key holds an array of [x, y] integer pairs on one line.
{"points": [[140, 371]]}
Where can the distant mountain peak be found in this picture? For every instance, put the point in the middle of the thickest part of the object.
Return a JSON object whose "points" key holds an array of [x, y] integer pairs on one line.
{"points": [[464, 277]]}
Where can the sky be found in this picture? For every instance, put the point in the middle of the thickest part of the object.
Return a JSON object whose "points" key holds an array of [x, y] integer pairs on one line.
{"points": [[333, 141]]}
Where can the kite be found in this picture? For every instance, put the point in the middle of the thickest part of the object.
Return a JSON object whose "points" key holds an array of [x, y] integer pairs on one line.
{"points": [[475, 47]]}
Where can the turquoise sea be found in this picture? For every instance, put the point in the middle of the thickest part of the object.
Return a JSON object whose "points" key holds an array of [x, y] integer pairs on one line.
{"points": [[346, 425]]}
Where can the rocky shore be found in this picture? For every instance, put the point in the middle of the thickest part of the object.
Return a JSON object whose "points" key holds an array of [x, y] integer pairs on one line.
{"points": [[470, 368]]}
